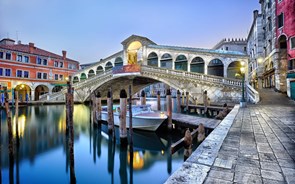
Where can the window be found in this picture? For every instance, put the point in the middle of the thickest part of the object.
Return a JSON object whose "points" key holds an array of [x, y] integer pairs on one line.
{"points": [[19, 73], [226, 48], [26, 59], [245, 49], [19, 58], [39, 61], [8, 56], [292, 42], [279, 1], [1, 71], [39, 75], [269, 4], [44, 61], [44, 75], [26, 74], [8, 72], [55, 76], [55, 63], [281, 20], [1, 55], [61, 77], [61, 64], [269, 24]]}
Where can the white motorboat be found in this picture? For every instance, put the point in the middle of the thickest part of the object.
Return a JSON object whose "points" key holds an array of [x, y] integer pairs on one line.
{"points": [[143, 117]]}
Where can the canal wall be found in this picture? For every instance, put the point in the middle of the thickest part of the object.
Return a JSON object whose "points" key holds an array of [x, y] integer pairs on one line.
{"points": [[197, 166]]}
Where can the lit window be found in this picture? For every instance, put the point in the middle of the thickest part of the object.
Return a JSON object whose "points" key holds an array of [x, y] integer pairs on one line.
{"points": [[19, 58], [61, 77], [44, 61], [1, 55], [281, 20], [39, 61], [61, 64], [26, 59], [1, 71], [55, 76], [44, 75], [55, 63], [292, 43], [39, 75], [19, 73], [26, 74], [7, 72], [8, 56]]}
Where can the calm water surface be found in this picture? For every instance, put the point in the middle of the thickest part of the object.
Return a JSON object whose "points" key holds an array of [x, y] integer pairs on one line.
{"points": [[43, 156]]}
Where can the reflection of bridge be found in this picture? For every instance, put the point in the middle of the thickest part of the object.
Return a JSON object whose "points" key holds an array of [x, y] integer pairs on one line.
{"points": [[142, 62]]}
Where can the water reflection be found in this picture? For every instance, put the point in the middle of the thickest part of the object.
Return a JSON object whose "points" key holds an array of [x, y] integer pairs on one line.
{"points": [[46, 155]]}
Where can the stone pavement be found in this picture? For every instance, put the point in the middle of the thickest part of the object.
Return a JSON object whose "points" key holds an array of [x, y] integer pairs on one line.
{"points": [[257, 147]]}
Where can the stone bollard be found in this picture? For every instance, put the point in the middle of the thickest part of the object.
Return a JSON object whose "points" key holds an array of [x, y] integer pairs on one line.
{"points": [[169, 108], [122, 117], [98, 106], [201, 132], [187, 101], [178, 102], [110, 111], [188, 140], [142, 98], [159, 100]]}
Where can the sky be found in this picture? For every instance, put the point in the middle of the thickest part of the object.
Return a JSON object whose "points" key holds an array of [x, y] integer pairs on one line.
{"points": [[93, 29]]}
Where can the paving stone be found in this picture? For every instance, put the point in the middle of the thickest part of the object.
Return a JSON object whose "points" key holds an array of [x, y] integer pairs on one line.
{"points": [[267, 157], [270, 166], [228, 176], [287, 163], [289, 174], [248, 170], [241, 177], [267, 181], [264, 148], [216, 181], [272, 175]]}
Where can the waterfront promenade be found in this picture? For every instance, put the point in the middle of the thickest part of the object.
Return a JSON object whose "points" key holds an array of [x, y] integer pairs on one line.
{"points": [[259, 147]]}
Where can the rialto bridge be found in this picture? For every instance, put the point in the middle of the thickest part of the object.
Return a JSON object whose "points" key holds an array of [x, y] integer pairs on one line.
{"points": [[143, 62]]}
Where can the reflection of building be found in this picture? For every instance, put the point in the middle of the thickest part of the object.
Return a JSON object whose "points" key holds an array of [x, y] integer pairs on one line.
{"points": [[31, 70], [285, 33]]}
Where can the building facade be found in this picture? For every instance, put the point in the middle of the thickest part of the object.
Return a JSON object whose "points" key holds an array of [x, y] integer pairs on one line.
{"points": [[285, 33], [239, 45], [33, 71]]}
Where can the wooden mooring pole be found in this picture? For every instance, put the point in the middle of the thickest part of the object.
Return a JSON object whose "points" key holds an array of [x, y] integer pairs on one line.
{"points": [[178, 102], [188, 140], [122, 117], [98, 106], [130, 117], [110, 111], [169, 108], [205, 100], [187, 102], [143, 98], [159, 100], [69, 105], [16, 116]]}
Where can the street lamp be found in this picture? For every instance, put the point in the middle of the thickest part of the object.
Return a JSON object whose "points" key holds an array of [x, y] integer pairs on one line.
{"points": [[242, 69]]}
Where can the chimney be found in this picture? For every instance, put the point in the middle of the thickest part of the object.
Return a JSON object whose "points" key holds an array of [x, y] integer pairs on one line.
{"points": [[31, 46], [64, 55], [255, 14]]}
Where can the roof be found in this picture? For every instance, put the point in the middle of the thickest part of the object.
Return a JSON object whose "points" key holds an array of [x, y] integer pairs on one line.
{"points": [[137, 37], [190, 49], [36, 51]]}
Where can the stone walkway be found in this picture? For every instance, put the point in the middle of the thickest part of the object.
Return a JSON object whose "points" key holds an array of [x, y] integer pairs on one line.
{"points": [[260, 144]]}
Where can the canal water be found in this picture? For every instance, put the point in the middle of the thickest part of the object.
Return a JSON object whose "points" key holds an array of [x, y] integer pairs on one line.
{"points": [[43, 157]]}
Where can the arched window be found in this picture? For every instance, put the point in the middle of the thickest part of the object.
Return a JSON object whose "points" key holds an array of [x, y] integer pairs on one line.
{"points": [[181, 63], [75, 79], [234, 70], [108, 66], [91, 73], [197, 65], [215, 67], [166, 61], [282, 42], [119, 61], [99, 70], [40, 90], [83, 76], [152, 59]]}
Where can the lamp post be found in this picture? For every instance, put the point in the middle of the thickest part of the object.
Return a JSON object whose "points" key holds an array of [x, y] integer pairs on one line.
{"points": [[242, 69]]}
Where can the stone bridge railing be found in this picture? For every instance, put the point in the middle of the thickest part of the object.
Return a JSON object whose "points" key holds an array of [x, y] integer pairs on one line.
{"points": [[252, 94]]}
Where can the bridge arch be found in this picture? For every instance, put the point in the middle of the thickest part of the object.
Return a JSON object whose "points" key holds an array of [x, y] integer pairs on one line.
{"points": [[216, 67], [197, 65], [181, 63], [166, 61], [75, 79], [108, 66], [83, 76], [40, 90], [152, 59], [23, 91], [118, 61], [91, 73], [234, 70], [99, 70]]}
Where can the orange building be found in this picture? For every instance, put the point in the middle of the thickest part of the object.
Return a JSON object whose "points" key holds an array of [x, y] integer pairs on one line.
{"points": [[33, 71]]}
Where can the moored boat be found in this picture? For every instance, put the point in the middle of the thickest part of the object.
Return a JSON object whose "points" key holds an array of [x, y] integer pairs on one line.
{"points": [[143, 117]]}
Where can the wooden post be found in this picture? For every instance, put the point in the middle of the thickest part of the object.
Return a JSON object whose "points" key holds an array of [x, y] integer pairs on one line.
{"points": [[188, 140], [159, 100], [93, 99], [201, 132], [169, 108], [143, 98], [205, 100], [182, 98], [178, 102], [187, 101], [69, 105], [122, 117], [130, 117], [98, 106], [110, 111]]}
